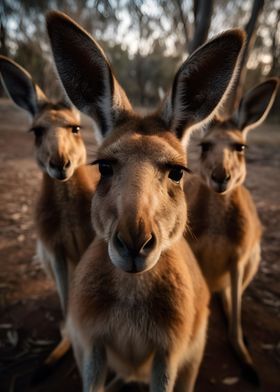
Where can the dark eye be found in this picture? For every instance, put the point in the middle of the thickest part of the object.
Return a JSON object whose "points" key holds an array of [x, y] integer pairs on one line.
{"points": [[105, 169], [239, 147], [206, 146], [175, 174], [38, 131], [75, 129]]}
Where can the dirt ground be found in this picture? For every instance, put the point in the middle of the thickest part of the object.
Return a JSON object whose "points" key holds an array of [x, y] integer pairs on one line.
{"points": [[29, 309]]}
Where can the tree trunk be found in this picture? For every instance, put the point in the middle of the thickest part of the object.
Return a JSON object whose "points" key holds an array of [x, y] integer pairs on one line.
{"points": [[203, 10], [250, 29], [3, 48], [275, 50], [184, 20], [3, 40]]}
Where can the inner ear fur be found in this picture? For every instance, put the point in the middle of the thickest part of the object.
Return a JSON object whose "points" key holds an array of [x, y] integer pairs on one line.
{"points": [[256, 104], [20, 86], [202, 82], [85, 71]]}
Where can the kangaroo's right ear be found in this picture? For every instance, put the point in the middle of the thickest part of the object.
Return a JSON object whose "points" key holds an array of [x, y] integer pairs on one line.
{"points": [[202, 82], [20, 86], [256, 104], [85, 72]]}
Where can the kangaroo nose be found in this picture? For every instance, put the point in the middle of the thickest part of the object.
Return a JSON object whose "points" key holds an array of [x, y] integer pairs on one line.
{"points": [[142, 247], [67, 164], [60, 165], [220, 178], [148, 246]]}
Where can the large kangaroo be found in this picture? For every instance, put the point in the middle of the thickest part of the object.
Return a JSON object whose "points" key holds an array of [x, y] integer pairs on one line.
{"points": [[139, 304], [224, 228], [62, 215]]}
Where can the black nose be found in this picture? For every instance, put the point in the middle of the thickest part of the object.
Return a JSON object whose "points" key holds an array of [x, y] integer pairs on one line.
{"points": [[127, 248], [60, 165], [221, 178]]}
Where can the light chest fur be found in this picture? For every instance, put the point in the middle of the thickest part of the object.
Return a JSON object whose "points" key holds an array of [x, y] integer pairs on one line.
{"points": [[223, 228], [63, 212], [135, 315]]}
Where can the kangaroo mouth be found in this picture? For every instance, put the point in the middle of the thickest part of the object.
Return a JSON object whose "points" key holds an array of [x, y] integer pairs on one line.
{"points": [[220, 188]]}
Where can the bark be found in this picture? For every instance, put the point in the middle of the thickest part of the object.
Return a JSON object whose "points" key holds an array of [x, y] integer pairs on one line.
{"points": [[3, 47], [275, 50], [183, 19], [3, 39], [203, 10], [250, 29]]}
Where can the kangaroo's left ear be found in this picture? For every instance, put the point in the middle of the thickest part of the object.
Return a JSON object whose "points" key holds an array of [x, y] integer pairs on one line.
{"points": [[20, 86], [85, 72], [255, 105], [202, 82]]}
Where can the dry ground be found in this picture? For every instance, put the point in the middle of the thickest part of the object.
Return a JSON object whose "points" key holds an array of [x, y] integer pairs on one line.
{"points": [[29, 310]]}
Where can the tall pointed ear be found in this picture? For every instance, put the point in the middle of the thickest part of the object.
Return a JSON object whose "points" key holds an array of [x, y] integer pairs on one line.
{"points": [[256, 104], [20, 86], [85, 72], [202, 83]]}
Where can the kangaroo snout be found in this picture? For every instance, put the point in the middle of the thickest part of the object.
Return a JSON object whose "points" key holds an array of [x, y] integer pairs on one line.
{"points": [[220, 180], [59, 168], [133, 251]]}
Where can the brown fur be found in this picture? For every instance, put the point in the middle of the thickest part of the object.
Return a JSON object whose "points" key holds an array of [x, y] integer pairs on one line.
{"points": [[62, 214], [155, 303], [224, 230], [226, 227], [139, 301]]}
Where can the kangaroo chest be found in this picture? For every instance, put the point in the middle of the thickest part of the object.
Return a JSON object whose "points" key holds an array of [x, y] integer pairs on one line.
{"points": [[63, 220], [135, 329], [134, 315], [222, 230]]}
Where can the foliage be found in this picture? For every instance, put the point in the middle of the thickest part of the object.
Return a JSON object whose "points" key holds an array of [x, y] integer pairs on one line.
{"points": [[144, 39]]}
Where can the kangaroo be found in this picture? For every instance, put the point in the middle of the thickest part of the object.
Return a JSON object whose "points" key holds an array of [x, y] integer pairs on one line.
{"points": [[62, 214], [139, 303], [225, 230]]}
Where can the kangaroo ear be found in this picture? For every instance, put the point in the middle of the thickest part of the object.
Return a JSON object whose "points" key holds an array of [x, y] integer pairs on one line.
{"points": [[20, 86], [85, 72], [202, 82], [255, 105]]}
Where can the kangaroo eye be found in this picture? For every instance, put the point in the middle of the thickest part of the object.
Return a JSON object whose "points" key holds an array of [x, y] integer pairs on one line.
{"points": [[106, 169], [206, 146], [76, 129], [176, 174], [239, 147]]}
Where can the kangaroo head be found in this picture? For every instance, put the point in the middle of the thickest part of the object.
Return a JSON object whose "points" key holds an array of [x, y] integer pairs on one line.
{"points": [[56, 126], [224, 144]]}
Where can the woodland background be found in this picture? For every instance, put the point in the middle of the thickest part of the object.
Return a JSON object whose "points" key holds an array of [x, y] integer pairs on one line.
{"points": [[145, 40]]}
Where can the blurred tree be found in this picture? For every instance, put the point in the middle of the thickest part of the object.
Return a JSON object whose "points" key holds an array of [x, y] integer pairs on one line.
{"points": [[251, 32], [4, 12], [203, 11], [25, 39], [275, 46], [145, 39]]}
